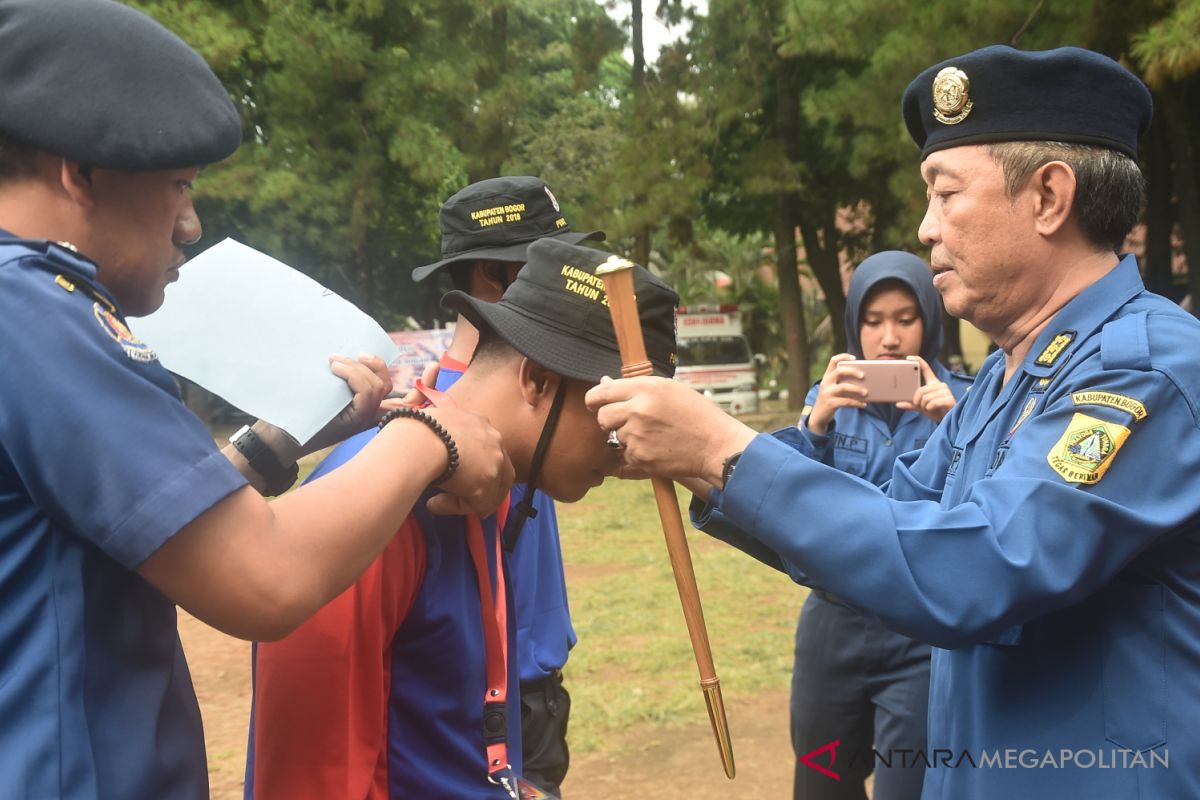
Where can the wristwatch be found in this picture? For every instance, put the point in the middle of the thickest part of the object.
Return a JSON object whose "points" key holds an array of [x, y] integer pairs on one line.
{"points": [[727, 468], [263, 460]]}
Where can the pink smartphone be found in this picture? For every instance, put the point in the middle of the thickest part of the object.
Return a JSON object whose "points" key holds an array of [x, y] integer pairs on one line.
{"points": [[888, 381]]}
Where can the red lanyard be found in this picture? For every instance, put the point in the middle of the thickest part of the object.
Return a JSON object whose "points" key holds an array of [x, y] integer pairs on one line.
{"points": [[493, 614]]}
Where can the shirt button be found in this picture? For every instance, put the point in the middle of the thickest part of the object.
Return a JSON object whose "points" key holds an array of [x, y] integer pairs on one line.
{"points": [[888, 442]]}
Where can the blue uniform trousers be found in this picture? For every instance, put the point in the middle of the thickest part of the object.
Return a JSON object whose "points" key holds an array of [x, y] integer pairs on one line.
{"points": [[869, 688]]}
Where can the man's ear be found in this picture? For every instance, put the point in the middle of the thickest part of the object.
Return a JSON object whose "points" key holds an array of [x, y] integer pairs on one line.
{"points": [[538, 384], [489, 281], [76, 181], [1053, 185]]}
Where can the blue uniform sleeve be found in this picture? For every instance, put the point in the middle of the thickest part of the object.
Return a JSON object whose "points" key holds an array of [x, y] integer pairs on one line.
{"points": [[805, 441], [707, 516], [1043, 529], [92, 426]]}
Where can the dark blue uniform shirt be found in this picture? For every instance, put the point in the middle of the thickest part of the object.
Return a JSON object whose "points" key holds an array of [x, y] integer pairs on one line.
{"points": [[1047, 539], [100, 464]]}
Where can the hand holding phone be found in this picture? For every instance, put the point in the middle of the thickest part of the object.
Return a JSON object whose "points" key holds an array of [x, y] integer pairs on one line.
{"points": [[887, 381]]}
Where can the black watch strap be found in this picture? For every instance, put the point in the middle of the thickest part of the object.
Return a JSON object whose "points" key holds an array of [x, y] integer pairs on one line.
{"points": [[263, 460], [727, 468]]}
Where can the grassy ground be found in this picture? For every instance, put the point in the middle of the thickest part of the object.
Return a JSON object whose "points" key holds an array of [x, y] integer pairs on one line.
{"points": [[634, 664]]}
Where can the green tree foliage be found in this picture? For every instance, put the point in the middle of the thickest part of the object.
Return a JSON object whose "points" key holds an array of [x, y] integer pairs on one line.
{"points": [[363, 115], [879, 45], [774, 122]]}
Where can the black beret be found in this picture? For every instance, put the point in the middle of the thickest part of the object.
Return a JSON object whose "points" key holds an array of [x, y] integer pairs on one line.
{"points": [[100, 83], [999, 94]]}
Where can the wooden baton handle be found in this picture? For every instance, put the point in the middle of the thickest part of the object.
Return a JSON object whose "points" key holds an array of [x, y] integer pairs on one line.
{"points": [[617, 275]]}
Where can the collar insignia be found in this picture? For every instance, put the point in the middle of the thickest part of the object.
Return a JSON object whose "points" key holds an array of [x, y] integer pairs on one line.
{"points": [[1055, 349]]}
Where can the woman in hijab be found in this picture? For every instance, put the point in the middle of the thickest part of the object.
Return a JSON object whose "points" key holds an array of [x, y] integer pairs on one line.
{"points": [[854, 682]]}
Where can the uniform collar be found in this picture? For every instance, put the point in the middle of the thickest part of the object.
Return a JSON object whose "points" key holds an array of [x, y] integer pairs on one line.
{"points": [[1080, 318], [62, 254]]}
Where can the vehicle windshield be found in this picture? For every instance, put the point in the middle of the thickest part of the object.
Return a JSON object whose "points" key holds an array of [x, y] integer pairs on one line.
{"points": [[713, 350]]}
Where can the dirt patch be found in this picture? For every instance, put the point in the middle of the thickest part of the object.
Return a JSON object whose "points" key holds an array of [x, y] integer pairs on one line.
{"points": [[578, 574], [682, 763], [676, 763]]}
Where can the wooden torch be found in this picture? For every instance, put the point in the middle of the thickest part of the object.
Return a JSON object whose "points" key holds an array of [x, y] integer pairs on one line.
{"points": [[617, 274]]}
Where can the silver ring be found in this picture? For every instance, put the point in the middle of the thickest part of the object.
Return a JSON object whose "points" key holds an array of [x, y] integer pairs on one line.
{"points": [[614, 442]]}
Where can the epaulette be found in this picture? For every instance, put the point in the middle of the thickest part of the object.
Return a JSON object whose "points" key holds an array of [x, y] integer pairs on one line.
{"points": [[69, 268], [1125, 343]]}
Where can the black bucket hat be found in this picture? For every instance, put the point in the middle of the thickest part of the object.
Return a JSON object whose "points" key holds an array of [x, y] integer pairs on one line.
{"points": [[497, 219], [556, 313]]}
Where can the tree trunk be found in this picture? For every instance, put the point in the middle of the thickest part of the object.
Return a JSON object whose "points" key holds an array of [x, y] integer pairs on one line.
{"points": [[639, 55], [1160, 214], [641, 234], [1184, 179], [795, 331], [787, 216], [821, 249]]}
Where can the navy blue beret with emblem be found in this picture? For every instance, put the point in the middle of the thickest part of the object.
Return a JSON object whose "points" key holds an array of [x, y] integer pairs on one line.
{"points": [[100, 83], [999, 94]]}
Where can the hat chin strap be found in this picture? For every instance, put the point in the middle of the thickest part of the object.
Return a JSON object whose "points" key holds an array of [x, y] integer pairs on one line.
{"points": [[524, 509]]}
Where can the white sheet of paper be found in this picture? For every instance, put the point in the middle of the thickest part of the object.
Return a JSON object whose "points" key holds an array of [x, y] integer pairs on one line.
{"points": [[258, 333]]}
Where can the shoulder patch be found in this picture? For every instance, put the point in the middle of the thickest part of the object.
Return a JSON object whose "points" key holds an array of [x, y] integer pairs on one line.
{"points": [[1055, 349], [134, 347], [1111, 399], [1086, 449]]}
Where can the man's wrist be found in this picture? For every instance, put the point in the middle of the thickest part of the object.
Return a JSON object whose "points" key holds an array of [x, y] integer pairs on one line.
{"points": [[716, 466], [276, 474], [434, 456]]}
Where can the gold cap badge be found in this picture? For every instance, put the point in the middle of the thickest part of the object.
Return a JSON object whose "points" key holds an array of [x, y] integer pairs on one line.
{"points": [[951, 99]]}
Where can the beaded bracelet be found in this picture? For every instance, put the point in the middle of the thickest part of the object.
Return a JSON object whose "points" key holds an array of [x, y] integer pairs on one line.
{"points": [[436, 427]]}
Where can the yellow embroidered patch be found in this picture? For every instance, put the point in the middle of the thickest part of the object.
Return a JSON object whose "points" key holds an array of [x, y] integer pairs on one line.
{"points": [[804, 412], [1086, 449], [1112, 400], [1055, 349]]}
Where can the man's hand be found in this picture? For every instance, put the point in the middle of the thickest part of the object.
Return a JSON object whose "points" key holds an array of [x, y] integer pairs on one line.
{"points": [[668, 428], [370, 382], [835, 394], [934, 399], [413, 398], [484, 475]]}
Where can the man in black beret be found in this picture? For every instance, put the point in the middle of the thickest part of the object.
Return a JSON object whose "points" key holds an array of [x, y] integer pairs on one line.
{"points": [[115, 505], [1046, 540]]}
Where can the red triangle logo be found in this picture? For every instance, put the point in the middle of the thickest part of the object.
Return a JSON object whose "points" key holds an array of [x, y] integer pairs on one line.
{"points": [[808, 759]]}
